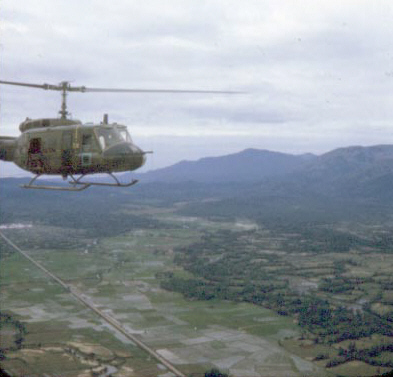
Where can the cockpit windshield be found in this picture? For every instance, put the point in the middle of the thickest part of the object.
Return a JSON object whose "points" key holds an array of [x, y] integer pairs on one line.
{"points": [[124, 133], [111, 136]]}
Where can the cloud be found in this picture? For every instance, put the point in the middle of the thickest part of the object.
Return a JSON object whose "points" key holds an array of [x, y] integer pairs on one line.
{"points": [[322, 68]]}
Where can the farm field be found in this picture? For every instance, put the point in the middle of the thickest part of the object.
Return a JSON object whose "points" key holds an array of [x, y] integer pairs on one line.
{"points": [[339, 296], [121, 276]]}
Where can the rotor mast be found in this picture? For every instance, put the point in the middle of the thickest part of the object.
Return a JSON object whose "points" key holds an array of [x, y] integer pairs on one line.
{"points": [[63, 111], [64, 87]]}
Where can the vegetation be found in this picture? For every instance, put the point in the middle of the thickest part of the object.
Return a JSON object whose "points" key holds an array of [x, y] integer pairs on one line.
{"points": [[215, 373], [243, 266], [325, 263], [367, 355], [15, 341], [98, 213]]}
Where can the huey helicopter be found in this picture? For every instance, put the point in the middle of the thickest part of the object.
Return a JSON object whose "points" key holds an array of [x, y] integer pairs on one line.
{"points": [[66, 147]]}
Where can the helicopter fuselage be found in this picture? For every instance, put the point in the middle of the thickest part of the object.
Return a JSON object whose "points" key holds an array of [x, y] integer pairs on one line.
{"points": [[66, 147]]}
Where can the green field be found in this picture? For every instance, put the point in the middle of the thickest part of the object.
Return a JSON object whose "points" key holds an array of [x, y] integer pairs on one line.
{"points": [[119, 275], [242, 274]]}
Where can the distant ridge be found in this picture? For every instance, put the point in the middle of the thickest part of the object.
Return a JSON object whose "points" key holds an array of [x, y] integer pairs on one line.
{"points": [[354, 159], [346, 184], [249, 165], [353, 170], [356, 170]]}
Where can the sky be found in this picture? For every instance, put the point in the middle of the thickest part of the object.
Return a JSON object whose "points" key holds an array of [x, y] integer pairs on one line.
{"points": [[315, 75]]}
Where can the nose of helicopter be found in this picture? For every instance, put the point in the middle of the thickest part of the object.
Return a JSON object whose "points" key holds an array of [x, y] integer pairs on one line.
{"points": [[125, 155]]}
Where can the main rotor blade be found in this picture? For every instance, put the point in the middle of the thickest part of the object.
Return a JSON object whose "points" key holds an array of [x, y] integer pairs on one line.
{"points": [[65, 86], [136, 90], [43, 86]]}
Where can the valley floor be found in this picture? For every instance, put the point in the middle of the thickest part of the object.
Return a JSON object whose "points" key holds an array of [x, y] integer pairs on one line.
{"points": [[45, 330], [118, 276]]}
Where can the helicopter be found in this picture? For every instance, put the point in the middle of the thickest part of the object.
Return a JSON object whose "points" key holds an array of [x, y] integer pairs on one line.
{"points": [[67, 147]]}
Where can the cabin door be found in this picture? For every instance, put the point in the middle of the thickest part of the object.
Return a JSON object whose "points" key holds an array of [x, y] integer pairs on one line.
{"points": [[34, 161], [66, 152]]}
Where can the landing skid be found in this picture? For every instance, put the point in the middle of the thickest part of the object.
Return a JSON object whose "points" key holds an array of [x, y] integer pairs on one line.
{"points": [[77, 184], [57, 188], [116, 184]]}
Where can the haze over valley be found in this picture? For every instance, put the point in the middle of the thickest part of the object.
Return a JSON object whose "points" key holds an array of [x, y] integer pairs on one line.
{"points": [[256, 263]]}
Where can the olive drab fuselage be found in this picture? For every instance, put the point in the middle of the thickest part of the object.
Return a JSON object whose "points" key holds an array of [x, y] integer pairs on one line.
{"points": [[66, 147]]}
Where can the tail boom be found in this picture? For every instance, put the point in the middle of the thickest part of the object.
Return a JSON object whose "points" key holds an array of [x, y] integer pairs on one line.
{"points": [[7, 147]]}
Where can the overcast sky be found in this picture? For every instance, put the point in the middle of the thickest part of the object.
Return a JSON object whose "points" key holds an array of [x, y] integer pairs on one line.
{"points": [[317, 74]]}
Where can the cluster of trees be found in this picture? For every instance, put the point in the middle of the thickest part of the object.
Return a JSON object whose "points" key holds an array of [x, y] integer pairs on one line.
{"points": [[321, 239], [214, 372], [309, 216], [20, 332], [225, 265], [340, 284], [367, 355], [327, 323], [226, 255], [337, 285], [333, 325]]}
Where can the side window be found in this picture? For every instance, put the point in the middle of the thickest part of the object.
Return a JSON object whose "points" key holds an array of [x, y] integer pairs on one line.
{"points": [[87, 142], [102, 142], [35, 146]]}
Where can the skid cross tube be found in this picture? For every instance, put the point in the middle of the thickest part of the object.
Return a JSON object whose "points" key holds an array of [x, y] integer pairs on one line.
{"points": [[117, 184]]}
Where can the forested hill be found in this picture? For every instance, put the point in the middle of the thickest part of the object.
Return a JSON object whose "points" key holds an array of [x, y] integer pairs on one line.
{"points": [[347, 184], [359, 171], [249, 165], [351, 171]]}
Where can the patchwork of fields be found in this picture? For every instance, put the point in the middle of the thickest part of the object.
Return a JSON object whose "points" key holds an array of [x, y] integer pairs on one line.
{"points": [[119, 276]]}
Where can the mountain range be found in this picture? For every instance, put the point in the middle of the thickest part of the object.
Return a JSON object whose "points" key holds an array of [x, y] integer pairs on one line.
{"points": [[355, 170], [346, 184], [249, 165]]}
